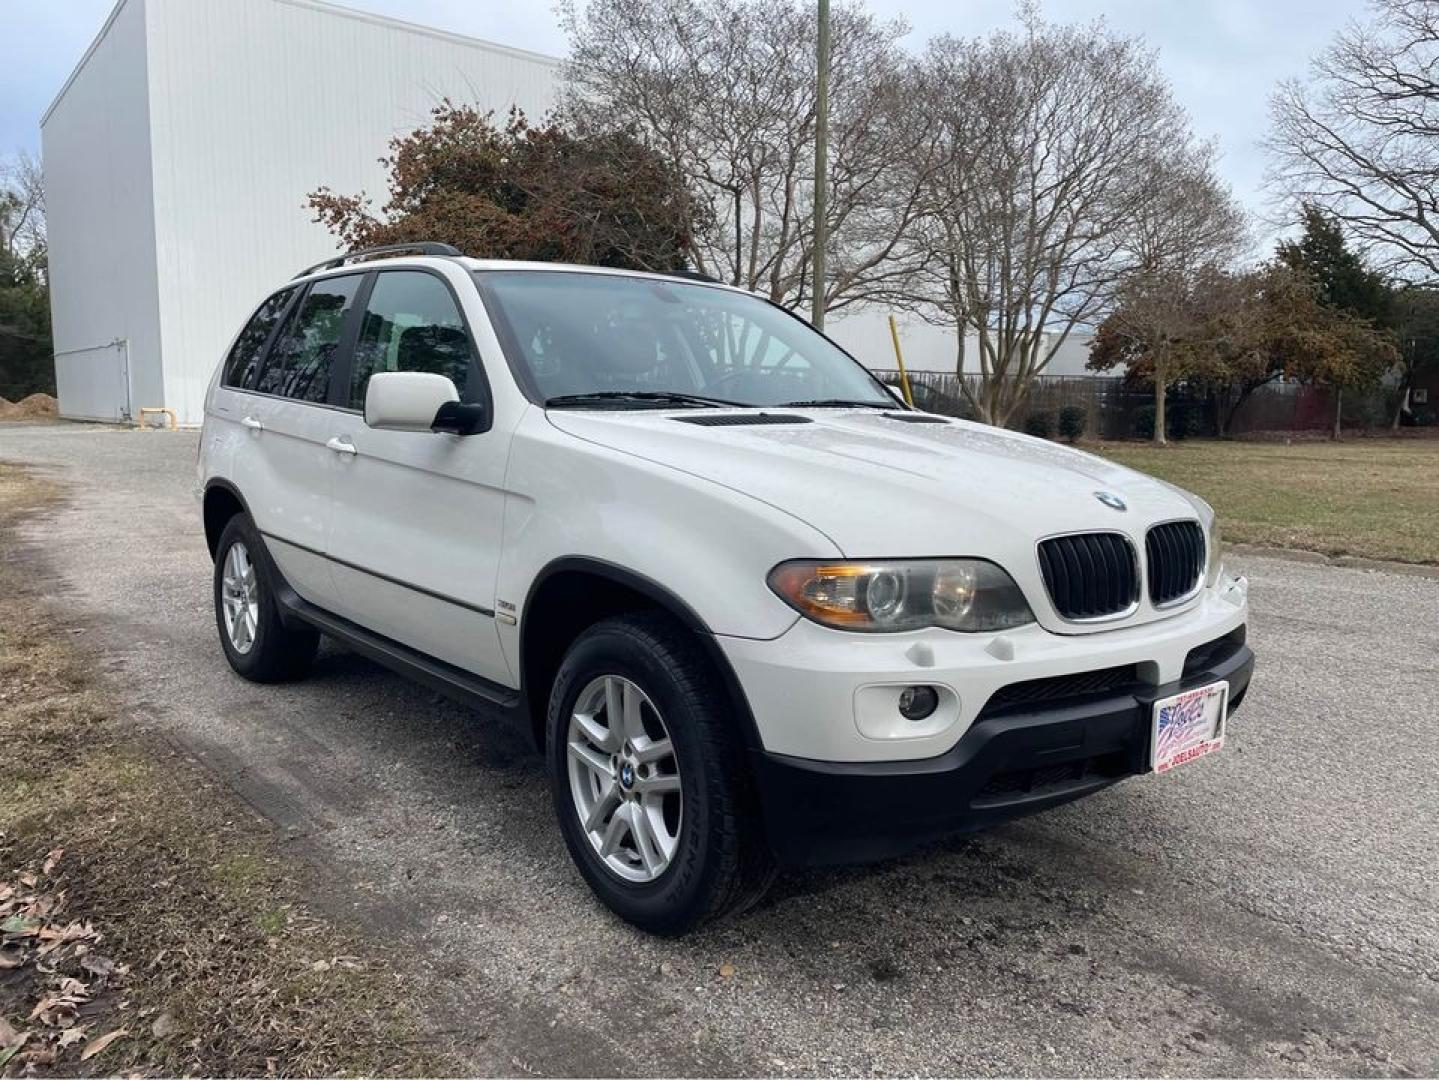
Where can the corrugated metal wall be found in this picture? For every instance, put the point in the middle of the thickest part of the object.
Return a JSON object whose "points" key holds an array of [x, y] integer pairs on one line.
{"points": [[96, 145], [252, 104], [256, 103]]}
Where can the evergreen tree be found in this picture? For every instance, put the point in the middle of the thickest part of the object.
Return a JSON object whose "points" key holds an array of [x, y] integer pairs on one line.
{"points": [[1343, 283]]}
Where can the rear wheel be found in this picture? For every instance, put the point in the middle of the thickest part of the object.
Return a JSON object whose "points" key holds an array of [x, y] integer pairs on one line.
{"points": [[256, 641], [649, 778]]}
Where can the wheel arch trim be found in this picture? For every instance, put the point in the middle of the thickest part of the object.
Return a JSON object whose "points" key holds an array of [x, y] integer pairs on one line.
{"points": [[663, 598]]}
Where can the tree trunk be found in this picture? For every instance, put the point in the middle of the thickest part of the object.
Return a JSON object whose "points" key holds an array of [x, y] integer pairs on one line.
{"points": [[1403, 397], [1338, 408], [1159, 384]]}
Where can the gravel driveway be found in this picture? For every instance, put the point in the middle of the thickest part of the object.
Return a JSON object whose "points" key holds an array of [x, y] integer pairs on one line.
{"points": [[1274, 910]]}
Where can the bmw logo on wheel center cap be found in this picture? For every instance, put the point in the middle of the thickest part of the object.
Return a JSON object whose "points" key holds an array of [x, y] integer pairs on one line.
{"points": [[1109, 499], [627, 775]]}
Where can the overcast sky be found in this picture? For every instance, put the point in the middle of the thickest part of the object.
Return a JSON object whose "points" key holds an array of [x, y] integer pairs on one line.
{"points": [[1223, 56]]}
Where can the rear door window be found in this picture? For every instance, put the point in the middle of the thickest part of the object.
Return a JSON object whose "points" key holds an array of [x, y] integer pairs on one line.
{"points": [[249, 348], [299, 363], [411, 323]]}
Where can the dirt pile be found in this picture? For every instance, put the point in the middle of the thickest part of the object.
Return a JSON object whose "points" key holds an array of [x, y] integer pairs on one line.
{"points": [[34, 407]]}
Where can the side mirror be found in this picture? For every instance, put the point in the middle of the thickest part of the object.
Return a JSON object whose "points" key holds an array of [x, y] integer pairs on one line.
{"points": [[411, 401]]}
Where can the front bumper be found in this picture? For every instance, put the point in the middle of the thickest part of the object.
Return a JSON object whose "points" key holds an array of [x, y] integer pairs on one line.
{"points": [[1012, 761]]}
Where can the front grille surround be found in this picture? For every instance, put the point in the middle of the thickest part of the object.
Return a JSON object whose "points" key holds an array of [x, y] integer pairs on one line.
{"points": [[1176, 555], [1090, 576]]}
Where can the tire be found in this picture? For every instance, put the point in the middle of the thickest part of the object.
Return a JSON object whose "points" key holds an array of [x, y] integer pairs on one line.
{"points": [[260, 647], [706, 834]]}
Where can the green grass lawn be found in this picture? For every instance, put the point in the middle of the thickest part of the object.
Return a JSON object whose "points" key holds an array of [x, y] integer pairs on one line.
{"points": [[1377, 498]]}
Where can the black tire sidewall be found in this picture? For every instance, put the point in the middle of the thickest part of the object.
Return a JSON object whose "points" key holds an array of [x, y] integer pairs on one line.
{"points": [[681, 896]]}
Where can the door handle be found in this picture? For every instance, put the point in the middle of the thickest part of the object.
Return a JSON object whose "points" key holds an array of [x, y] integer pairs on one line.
{"points": [[340, 445], [251, 423]]}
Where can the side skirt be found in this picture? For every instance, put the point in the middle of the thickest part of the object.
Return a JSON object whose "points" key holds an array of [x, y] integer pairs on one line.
{"points": [[455, 683]]}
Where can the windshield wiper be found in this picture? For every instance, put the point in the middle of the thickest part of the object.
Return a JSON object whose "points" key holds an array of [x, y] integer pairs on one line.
{"points": [[837, 403], [659, 397]]}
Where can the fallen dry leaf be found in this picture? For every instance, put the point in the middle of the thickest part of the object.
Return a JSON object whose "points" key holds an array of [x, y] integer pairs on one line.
{"points": [[70, 1036], [164, 1026], [8, 1035], [726, 971], [101, 1043], [51, 859]]}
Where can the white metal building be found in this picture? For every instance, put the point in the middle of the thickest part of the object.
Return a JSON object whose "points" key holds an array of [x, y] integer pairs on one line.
{"points": [[178, 157]]}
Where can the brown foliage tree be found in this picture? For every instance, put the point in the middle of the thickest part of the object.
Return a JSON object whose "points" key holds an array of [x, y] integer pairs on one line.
{"points": [[520, 192], [1235, 332]]}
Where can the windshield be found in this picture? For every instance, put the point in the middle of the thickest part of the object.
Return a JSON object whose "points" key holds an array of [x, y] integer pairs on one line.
{"points": [[611, 341]]}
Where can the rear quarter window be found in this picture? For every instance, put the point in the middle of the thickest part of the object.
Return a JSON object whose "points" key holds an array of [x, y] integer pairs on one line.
{"points": [[249, 348]]}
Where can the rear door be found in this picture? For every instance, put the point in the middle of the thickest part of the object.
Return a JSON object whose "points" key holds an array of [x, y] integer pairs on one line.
{"points": [[415, 527], [283, 469]]}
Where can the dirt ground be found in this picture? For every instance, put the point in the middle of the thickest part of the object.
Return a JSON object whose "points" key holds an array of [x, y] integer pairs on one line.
{"points": [[1272, 911]]}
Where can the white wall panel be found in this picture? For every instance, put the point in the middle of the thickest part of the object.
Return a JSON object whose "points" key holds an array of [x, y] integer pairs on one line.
{"points": [[96, 147], [256, 103]]}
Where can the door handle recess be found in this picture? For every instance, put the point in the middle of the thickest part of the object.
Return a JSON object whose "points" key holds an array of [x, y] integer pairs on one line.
{"points": [[340, 445], [251, 423]]}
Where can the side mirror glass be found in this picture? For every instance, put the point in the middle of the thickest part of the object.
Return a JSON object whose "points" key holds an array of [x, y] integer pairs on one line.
{"points": [[407, 400]]}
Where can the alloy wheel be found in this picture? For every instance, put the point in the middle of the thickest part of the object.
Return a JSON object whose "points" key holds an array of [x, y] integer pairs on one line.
{"points": [[624, 778], [240, 598]]}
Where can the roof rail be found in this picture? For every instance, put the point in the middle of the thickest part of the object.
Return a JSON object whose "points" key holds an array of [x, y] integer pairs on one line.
{"points": [[420, 247], [692, 275]]}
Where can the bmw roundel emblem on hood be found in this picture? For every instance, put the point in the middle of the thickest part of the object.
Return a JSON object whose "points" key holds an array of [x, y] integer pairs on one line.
{"points": [[1109, 499]]}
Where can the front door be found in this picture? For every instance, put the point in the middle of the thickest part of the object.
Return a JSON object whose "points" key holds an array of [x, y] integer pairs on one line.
{"points": [[415, 525]]}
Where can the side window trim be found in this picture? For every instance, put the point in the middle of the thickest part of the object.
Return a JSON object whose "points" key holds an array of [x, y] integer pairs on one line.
{"points": [[477, 383], [338, 394], [253, 380], [349, 331], [281, 326]]}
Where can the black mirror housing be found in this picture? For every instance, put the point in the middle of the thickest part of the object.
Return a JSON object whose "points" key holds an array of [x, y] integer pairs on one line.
{"points": [[461, 418]]}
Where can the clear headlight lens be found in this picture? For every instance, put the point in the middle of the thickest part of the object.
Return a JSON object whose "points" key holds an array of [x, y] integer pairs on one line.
{"points": [[1216, 553], [970, 595]]}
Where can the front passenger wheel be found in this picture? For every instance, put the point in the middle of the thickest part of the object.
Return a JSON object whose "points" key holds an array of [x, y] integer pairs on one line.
{"points": [[256, 640], [649, 778]]}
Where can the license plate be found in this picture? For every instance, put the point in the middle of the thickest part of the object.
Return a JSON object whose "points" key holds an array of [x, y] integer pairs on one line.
{"points": [[1188, 726]]}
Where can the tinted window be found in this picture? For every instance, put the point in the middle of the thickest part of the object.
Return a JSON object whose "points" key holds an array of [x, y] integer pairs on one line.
{"points": [[299, 362], [249, 348], [411, 324], [583, 334]]}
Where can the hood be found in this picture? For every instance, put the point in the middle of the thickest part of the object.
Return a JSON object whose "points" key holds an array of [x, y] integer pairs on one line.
{"points": [[879, 487]]}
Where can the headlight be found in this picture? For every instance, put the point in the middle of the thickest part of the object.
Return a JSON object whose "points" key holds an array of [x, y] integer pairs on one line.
{"points": [[1216, 553], [905, 594]]}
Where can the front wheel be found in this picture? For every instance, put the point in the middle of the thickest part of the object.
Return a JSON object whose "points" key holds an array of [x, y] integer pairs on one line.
{"points": [[649, 778], [256, 640]]}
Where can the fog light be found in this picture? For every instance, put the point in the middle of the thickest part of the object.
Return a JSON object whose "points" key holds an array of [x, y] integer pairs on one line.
{"points": [[918, 702]]}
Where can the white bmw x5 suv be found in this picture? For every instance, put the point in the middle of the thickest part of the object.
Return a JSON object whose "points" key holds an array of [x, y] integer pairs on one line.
{"points": [[756, 611]]}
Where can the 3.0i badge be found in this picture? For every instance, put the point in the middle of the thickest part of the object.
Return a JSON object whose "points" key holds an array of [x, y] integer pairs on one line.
{"points": [[1111, 500]]}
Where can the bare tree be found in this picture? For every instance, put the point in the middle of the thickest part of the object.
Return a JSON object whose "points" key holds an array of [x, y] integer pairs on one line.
{"points": [[22, 209], [1051, 141], [725, 88], [1185, 230], [1361, 137]]}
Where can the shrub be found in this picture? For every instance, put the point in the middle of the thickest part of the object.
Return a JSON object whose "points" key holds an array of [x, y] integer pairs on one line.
{"points": [[1073, 420], [1144, 422], [1040, 424]]}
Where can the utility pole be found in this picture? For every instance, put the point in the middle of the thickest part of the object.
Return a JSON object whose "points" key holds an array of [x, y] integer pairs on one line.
{"points": [[821, 167]]}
